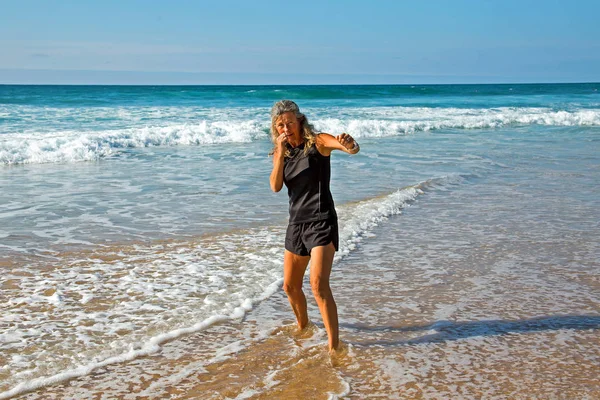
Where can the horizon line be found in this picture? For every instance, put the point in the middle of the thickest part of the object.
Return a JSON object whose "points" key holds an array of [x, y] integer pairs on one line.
{"points": [[305, 84], [65, 77]]}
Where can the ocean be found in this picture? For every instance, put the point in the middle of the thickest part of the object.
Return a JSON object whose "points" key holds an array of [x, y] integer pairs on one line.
{"points": [[141, 246]]}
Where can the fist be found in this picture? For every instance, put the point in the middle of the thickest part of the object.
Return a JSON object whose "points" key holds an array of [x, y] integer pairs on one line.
{"points": [[280, 142], [281, 139], [345, 140]]}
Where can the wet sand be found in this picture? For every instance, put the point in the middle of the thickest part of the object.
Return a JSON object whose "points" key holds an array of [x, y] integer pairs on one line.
{"points": [[460, 306]]}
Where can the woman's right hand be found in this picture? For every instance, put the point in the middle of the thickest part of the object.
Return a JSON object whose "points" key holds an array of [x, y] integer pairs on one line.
{"points": [[276, 178], [281, 141]]}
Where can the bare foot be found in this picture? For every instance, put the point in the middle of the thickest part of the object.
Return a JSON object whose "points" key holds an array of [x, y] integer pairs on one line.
{"points": [[308, 331], [295, 332], [340, 355]]}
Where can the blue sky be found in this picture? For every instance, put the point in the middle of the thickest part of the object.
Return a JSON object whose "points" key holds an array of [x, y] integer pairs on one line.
{"points": [[271, 42]]}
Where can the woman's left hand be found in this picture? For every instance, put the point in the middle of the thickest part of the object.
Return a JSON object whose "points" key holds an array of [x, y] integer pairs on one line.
{"points": [[346, 140]]}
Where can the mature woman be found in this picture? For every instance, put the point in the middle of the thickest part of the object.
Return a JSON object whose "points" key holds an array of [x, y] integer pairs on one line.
{"points": [[301, 160]]}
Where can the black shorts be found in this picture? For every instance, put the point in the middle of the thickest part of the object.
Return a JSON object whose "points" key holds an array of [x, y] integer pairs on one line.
{"points": [[302, 238]]}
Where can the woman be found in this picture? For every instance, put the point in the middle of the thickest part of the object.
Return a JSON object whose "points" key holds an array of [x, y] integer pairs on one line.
{"points": [[301, 160]]}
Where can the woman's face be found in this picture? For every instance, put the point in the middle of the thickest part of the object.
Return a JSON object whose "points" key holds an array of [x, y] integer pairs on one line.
{"points": [[290, 125]]}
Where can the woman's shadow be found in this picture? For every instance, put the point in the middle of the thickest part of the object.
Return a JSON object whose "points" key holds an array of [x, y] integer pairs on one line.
{"points": [[448, 330]]}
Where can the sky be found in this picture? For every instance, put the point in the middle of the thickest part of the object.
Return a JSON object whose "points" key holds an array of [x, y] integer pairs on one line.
{"points": [[298, 42]]}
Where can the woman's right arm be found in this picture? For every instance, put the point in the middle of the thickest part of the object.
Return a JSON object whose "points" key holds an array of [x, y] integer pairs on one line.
{"points": [[277, 173], [276, 179]]}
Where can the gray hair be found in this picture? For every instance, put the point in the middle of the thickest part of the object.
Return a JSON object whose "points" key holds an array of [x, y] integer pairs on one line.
{"points": [[284, 106]]}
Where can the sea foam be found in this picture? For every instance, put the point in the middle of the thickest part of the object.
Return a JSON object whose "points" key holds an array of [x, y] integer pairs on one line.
{"points": [[65, 146], [409, 120], [73, 146], [169, 282]]}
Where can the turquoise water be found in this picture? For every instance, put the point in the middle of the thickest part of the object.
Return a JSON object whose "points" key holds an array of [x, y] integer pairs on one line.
{"points": [[148, 209]]}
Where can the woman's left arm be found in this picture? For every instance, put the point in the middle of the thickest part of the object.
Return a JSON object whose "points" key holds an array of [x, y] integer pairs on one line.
{"points": [[343, 142]]}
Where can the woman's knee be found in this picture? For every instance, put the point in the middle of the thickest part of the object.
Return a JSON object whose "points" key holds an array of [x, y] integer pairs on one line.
{"points": [[320, 288], [291, 289]]}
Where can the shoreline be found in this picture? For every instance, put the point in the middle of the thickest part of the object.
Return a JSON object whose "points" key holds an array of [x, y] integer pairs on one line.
{"points": [[468, 263], [468, 316]]}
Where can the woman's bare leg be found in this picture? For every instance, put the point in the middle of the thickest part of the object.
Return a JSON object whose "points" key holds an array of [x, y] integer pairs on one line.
{"points": [[294, 267], [320, 269]]}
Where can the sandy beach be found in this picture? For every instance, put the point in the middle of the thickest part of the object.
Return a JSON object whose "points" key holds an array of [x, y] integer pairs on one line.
{"points": [[456, 309]]}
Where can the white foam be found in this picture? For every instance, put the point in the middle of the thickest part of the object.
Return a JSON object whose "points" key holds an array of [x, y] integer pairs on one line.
{"points": [[108, 326], [86, 298], [150, 347], [56, 299], [246, 394], [394, 121], [73, 146], [225, 283], [345, 390], [65, 144]]}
